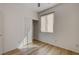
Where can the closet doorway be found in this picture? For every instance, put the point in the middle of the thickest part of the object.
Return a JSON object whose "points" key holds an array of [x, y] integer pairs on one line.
{"points": [[35, 29]]}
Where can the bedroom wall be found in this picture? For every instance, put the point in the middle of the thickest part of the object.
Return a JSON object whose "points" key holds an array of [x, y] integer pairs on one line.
{"points": [[14, 24], [65, 27], [1, 32]]}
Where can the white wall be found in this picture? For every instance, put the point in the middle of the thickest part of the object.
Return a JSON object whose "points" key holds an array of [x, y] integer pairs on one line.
{"points": [[1, 32], [14, 17], [65, 27]]}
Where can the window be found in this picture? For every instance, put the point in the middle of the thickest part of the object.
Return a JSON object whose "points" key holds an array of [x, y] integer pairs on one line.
{"points": [[43, 23], [47, 22]]}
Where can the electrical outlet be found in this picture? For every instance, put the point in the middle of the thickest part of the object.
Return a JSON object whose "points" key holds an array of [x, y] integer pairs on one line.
{"points": [[54, 40]]}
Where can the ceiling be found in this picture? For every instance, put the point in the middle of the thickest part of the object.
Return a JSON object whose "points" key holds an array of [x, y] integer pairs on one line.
{"points": [[31, 6], [43, 6]]}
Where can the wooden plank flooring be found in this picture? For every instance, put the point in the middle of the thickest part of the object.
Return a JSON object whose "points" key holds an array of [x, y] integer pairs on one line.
{"points": [[40, 48]]}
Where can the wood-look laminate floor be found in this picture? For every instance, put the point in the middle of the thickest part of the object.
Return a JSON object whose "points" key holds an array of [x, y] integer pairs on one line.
{"points": [[40, 48]]}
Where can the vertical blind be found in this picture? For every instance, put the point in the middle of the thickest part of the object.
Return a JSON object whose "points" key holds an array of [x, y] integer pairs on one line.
{"points": [[47, 22]]}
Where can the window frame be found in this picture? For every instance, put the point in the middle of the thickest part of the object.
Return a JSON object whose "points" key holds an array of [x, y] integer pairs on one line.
{"points": [[46, 20]]}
